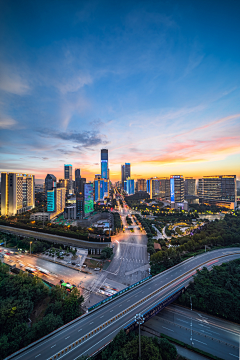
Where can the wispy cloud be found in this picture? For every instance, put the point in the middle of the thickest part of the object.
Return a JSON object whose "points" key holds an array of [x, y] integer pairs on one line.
{"points": [[7, 123], [84, 139], [11, 80]]}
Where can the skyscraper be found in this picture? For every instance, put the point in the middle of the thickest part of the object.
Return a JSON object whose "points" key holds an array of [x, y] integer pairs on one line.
{"points": [[50, 182], [17, 193], [68, 172], [77, 174], [68, 176], [104, 163], [123, 175], [127, 171], [176, 189], [130, 186], [100, 188], [56, 200]]}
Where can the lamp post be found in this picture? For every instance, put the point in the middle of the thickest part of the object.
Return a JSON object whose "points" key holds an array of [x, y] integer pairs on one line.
{"points": [[139, 320], [30, 247], [191, 338]]}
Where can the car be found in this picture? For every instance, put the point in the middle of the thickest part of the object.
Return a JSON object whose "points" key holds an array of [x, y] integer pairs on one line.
{"points": [[78, 265], [73, 263], [68, 283], [73, 285], [21, 265], [61, 281], [84, 265], [97, 269]]}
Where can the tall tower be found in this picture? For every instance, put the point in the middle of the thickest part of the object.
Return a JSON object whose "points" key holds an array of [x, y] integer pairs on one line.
{"points": [[104, 163], [127, 170], [68, 176]]}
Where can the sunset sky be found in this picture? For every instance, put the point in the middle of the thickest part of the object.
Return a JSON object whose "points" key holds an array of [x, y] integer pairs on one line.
{"points": [[155, 82]]}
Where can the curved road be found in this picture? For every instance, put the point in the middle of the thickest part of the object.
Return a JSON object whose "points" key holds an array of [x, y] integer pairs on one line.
{"points": [[120, 312]]}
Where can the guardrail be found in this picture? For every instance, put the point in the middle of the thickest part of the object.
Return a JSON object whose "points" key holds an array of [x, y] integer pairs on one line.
{"points": [[156, 309], [118, 293], [130, 308]]}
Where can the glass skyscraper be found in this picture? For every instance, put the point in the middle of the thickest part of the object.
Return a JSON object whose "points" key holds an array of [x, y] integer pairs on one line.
{"points": [[104, 163]]}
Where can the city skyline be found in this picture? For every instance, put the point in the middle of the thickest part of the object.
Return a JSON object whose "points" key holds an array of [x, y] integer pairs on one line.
{"points": [[155, 84]]}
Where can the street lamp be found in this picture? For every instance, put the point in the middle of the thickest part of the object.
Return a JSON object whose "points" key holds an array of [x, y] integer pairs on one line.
{"points": [[139, 320], [191, 338], [30, 247]]}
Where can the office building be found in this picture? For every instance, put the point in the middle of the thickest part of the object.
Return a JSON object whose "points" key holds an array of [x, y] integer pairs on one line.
{"points": [[77, 173], [104, 163], [141, 185], [50, 183], [148, 186], [219, 190], [88, 199], [125, 185], [164, 188], [177, 191], [56, 200], [68, 176], [101, 188], [127, 171], [122, 175], [190, 186], [70, 212], [130, 186], [79, 184], [17, 193]]}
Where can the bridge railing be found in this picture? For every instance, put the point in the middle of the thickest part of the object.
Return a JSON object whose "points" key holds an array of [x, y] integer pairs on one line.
{"points": [[156, 309], [118, 293]]}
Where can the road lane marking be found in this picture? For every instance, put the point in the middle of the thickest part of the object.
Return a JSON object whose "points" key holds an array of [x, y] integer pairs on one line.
{"points": [[91, 323], [233, 355], [53, 346], [67, 337], [37, 355], [167, 328], [200, 341], [182, 320], [101, 316], [79, 330], [111, 310]]}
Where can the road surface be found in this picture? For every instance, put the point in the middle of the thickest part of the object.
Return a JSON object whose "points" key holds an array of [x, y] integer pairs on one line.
{"points": [[120, 312], [211, 334]]}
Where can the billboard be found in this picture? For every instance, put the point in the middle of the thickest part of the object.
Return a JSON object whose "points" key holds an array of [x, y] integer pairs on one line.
{"points": [[88, 198], [172, 190]]}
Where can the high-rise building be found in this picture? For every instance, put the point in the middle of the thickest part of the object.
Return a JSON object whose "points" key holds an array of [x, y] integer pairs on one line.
{"points": [[127, 171], [142, 185], [148, 185], [123, 175], [68, 176], [56, 200], [88, 199], [219, 190], [17, 193], [164, 188], [77, 174], [50, 183], [79, 184], [190, 186], [154, 187], [130, 186], [104, 163], [101, 188], [176, 189]]}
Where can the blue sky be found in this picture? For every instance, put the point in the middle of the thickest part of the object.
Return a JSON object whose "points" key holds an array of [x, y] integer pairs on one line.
{"points": [[155, 82]]}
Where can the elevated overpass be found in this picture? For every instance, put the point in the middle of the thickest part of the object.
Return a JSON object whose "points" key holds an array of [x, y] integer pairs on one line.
{"points": [[92, 331], [64, 240]]}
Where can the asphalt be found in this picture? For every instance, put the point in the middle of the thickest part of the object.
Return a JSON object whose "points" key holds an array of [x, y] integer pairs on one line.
{"points": [[127, 305], [211, 334]]}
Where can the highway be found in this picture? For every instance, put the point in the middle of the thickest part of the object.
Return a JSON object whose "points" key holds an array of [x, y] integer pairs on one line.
{"points": [[99, 327], [211, 334]]}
